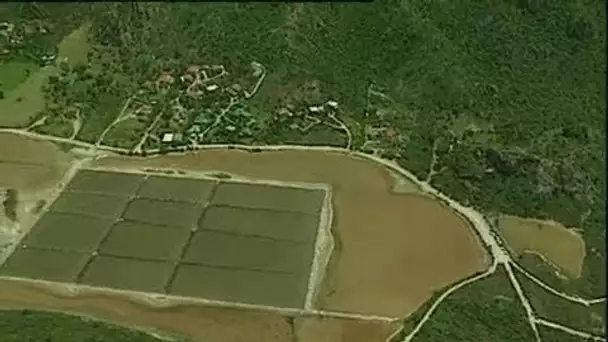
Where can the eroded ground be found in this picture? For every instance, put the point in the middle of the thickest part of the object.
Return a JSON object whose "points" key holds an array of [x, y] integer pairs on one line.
{"points": [[392, 251]]}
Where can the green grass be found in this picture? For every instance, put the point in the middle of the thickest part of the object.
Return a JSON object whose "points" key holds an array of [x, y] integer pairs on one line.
{"points": [[21, 105], [14, 73], [556, 309], [35, 326], [75, 46], [125, 134], [487, 310], [104, 113], [549, 334]]}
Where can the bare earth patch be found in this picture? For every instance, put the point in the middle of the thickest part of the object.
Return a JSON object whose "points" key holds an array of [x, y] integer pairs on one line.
{"points": [[392, 251], [562, 247], [314, 329], [204, 324]]}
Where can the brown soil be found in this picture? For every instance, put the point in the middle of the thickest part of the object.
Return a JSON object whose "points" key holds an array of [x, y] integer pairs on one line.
{"points": [[203, 324], [392, 251], [561, 246], [312, 329], [28, 164]]}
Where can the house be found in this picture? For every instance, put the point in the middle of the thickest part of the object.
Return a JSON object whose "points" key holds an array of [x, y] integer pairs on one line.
{"points": [[167, 137], [315, 109], [212, 87], [332, 104]]}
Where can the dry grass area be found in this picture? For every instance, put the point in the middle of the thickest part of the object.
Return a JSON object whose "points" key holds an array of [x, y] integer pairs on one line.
{"points": [[313, 329], [202, 324], [562, 247], [28, 164], [392, 251]]}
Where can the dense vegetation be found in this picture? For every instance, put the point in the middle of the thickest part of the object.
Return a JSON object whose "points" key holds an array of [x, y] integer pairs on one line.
{"points": [[508, 95], [498, 104], [487, 310], [548, 334], [589, 319], [29, 326]]}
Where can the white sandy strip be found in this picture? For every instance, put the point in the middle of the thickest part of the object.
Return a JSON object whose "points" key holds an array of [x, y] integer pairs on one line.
{"points": [[324, 246]]}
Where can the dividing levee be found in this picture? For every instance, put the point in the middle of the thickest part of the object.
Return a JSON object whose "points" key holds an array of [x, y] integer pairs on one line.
{"points": [[218, 240], [392, 251]]}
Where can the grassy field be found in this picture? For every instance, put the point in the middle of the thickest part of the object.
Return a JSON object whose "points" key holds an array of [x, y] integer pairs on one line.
{"points": [[75, 46], [45, 265], [240, 285], [269, 197], [549, 334], [175, 189], [35, 326], [589, 319], [159, 243], [14, 73], [128, 274], [68, 232], [125, 134], [108, 109], [561, 246], [21, 105], [487, 310], [89, 204], [173, 214], [229, 250], [111, 183], [276, 225]]}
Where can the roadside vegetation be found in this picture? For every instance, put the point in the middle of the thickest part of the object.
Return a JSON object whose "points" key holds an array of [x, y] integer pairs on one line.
{"points": [[589, 319], [549, 334], [33, 326], [486, 310]]}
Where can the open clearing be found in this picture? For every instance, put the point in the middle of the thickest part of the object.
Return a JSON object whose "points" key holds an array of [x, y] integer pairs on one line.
{"points": [[14, 73], [315, 329], [26, 98], [75, 46], [28, 164], [153, 245], [392, 251], [559, 245]]}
